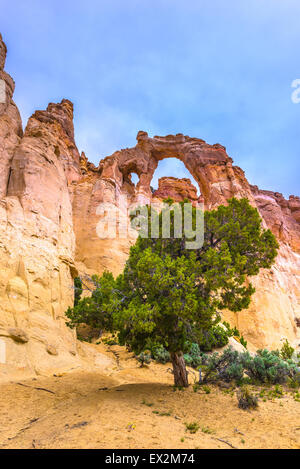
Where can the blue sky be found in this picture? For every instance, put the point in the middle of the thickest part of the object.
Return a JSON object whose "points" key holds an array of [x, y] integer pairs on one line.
{"points": [[217, 70]]}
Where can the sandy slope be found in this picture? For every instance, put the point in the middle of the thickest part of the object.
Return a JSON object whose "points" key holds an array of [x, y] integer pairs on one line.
{"points": [[82, 413]]}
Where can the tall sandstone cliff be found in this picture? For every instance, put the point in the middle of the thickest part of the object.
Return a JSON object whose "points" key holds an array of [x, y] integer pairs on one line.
{"points": [[49, 212], [37, 241]]}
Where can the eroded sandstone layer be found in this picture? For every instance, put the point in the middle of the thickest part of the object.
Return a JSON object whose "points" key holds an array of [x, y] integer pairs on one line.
{"points": [[176, 189], [37, 241], [49, 213]]}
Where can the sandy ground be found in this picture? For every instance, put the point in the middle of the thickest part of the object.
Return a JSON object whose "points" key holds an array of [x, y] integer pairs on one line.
{"points": [[133, 407]]}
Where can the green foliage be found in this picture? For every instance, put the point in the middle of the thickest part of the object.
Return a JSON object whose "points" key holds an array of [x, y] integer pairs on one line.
{"points": [[148, 404], [264, 367], [144, 358], [206, 389], [193, 357], [216, 337], [243, 342], [192, 427], [77, 290], [171, 291], [294, 382], [207, 430], [267, 367], [160, 354], [224, 367], [234, 332], [97, 310], [246, 400], [286, 351], [110, 341], [297, 396]]}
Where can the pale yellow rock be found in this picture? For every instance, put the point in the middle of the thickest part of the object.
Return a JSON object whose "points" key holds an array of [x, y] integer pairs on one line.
{"points": [[18, 335]]}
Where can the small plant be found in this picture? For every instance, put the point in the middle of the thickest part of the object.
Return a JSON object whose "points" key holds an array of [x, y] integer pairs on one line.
{"points": [[243, 342], [148, 404], [246, 400], [297, 396], [286, 351], [277, 392], [206, 389], [110, 341], [192, 427], [160, 354], [196, 387], [78, 289], [294, 382], [182, 440], [178, 388], [144, 358], [207, 430]]}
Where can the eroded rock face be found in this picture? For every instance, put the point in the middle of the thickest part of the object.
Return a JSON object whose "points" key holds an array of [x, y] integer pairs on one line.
{"points": [[49, 214], [177, 189], [10, 124], [37, 242]]}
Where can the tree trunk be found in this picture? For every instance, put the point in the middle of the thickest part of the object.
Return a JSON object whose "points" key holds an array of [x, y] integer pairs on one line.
{"points": [[179, 369]]}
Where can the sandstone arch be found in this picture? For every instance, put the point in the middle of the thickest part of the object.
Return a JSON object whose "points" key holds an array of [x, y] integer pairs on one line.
{"points": [[209, 165]]}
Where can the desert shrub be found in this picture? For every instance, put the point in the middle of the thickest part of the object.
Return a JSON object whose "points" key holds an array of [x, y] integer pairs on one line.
{"points": [[246, 400], [286, 351], [265, 367], [160, 354], [193, 356], [192, 427], [144, 358], [225, 367], [294, 382], [268, 367]]}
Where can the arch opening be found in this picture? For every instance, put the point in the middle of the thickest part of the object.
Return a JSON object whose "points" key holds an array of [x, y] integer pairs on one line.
{"points": [[171, 175], [134, 178]]}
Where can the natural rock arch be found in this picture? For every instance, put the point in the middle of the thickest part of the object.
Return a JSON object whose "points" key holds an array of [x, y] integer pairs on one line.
{"points": [[209, 165]]}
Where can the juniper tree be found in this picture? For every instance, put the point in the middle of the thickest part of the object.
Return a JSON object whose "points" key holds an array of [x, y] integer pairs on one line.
{"points": [[169, 295]]}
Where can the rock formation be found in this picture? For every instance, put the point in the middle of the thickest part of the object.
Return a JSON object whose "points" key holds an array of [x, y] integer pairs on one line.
{"points": [[177, 189], [37, 242], [49, 213]]}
